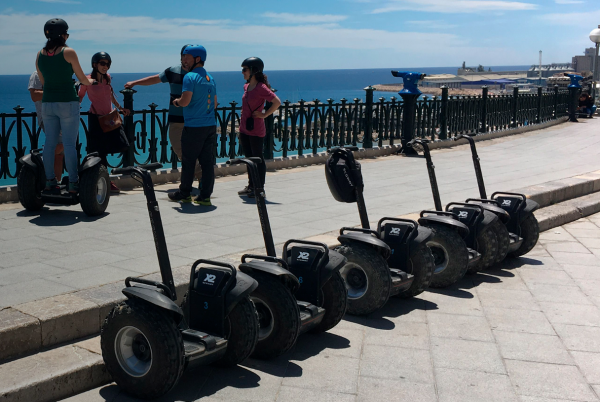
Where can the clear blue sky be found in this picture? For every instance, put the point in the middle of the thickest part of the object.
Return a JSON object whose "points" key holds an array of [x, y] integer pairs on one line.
{"points": [[145, 36]]}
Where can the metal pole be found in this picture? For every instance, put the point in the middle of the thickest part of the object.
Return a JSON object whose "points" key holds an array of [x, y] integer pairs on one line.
{"points": [[540, 74], [596, 76]]}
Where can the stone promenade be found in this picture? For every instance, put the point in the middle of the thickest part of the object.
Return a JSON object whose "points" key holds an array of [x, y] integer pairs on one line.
{"points": [[61, 250], [528, 330]]}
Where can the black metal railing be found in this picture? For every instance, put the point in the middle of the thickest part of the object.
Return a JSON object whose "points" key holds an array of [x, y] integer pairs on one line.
{"points": [[307, 127]]}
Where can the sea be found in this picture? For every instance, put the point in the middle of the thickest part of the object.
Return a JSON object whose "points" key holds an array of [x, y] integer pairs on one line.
{"points": [[292, 85]]}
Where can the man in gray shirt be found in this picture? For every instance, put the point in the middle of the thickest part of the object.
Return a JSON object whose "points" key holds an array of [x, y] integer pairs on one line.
{"points": [[36, 91]]}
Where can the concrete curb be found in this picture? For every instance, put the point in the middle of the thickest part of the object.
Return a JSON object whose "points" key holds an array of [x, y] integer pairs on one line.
{"points": [[36, 325], [9, 193]]}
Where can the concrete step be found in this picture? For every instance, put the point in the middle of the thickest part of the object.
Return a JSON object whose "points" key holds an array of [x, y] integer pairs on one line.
{"points": [[54, 374]]}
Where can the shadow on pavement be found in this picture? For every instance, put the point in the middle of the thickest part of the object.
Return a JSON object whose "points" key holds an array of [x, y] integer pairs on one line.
{"points": [[248, 200], [58, 217], [394, 308], [190, 208]]}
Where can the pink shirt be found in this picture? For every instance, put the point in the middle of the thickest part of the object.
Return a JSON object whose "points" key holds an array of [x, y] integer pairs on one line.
{"points": [[254, 101], [99, 95]]}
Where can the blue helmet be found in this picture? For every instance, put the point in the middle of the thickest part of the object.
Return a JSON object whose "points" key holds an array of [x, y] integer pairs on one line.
{"points": [[196, 51]]}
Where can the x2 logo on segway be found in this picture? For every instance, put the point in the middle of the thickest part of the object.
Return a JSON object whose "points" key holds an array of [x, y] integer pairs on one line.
{"points": [[209, 281], [465, 215], [509, 204]]}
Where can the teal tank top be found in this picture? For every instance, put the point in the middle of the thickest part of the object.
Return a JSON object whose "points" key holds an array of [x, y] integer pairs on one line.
{"points": [[58, 78]]}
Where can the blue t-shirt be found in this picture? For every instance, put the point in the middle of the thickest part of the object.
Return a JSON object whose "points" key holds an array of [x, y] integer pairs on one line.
{"points": [[174, 76], [201, 110]]}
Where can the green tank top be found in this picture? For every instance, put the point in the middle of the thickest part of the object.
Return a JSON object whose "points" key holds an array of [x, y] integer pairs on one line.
{"points": [[58, 78]]}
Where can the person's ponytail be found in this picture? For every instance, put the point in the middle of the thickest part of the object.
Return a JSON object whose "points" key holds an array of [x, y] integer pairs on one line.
{"points": [[53, 43], [261, 77]]}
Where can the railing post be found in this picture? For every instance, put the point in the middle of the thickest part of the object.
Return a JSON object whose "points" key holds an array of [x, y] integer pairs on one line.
{"points": [[555, 102], [129, 155], [484, 98], [368, 136], [573, 102], [539, 105], [153, 149], [444, 114], [232, 136], [20, 150], [515, 106]]}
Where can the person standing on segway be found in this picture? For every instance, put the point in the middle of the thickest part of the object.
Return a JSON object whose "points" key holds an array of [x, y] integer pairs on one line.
{"points": [[174, 76], [102, 97], [198, 139], [55, 65], [257, 91]]}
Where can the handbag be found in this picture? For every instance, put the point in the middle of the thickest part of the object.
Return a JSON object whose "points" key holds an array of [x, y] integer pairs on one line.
{"points": [[116, 141], [111, 121]]}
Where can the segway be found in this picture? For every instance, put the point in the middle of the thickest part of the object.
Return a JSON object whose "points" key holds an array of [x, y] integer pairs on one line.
{"points": [[522, 225], [94, 187], [393, 260], [148, 340], [481, 238], [300, 292]]}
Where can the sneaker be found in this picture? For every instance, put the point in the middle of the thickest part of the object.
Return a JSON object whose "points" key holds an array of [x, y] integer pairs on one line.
{"points": [[114, 189], [206, 201], [251, 195], [52, 187], [247, 190], [73, 187], [178, 196]]}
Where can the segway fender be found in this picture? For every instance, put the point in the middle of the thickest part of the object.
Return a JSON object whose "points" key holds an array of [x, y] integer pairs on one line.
{"points": [[35, 163], [488, 219], [155, 298], [335, 263], [244, 285], [89, 162], [285, 276], [28, 161], [461, 228], [424, 234], [530, 206], [364, 238], [498, 211]]}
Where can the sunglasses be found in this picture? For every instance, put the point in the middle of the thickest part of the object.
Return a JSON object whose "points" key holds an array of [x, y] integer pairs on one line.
{"points": [[244, 70], [104, 64]]}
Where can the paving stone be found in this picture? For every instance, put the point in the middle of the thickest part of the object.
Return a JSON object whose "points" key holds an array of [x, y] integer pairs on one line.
{"points": [[582, 223], [546, 276], [22, 292], [377, 389], [589, 363], [63, 317], [459, 327], [556, 234], [405, 335], [585, 272], [549, 381], [396, 363], [454, 302], [24, 257], [544, 263], [577, 337], [507, 298], [576, 259], [85, 260], [466, 355], [19, 333], [24, 273], [554, 293], [51, 375], [582, 233], [559, 313], [532, 347], [335, 342], [590, 242], [473, 386], [567, 247], [486, 281], [293, 394], [533, 322], [315, 372]]}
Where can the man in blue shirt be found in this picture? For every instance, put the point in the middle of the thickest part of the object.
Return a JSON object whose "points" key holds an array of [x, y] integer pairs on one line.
{"points": [[198, 140]]}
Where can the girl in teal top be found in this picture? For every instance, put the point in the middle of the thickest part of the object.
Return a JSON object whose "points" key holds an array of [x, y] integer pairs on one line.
{"points": [[56, 64]]}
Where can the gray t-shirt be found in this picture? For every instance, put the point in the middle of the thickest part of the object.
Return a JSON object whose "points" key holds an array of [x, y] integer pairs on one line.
{"points": [[35, 83]]}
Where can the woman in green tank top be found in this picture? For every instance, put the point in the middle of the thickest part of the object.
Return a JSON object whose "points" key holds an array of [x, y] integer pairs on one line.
{"points": [[56, 64]]}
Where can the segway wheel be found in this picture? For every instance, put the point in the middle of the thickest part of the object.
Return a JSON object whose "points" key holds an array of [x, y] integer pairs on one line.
{"points": [[422, 266], [367, 277], [241, 332], [487, 246], [530, 232], [27, 188], [142, 349], [450, 256], [278, 317], [335, 303], [94, 190], [503, 240]]}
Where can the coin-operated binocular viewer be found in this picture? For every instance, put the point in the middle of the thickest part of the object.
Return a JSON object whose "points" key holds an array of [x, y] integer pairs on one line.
{"points": [[410, 93], [574, 91]]}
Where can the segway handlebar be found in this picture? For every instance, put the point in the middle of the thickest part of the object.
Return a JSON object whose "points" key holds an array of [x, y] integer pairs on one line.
{"points": [[265, 258], [246, 161], [349, 148], [156, 284], [130, 169]]}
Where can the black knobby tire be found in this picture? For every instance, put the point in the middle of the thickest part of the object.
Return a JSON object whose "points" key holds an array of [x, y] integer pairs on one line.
{"points": [[530, 232], [241, 333], [487, 246], [335, 303], [450, 255], [503, 240], [377, 273], [94, 190], [27, 189], [421, 265], [278, 313], [166, 344]]}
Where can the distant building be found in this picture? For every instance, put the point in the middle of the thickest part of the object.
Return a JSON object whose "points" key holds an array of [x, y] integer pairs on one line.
{"points": [[549, 70], [585, 62], [439, 80]]}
